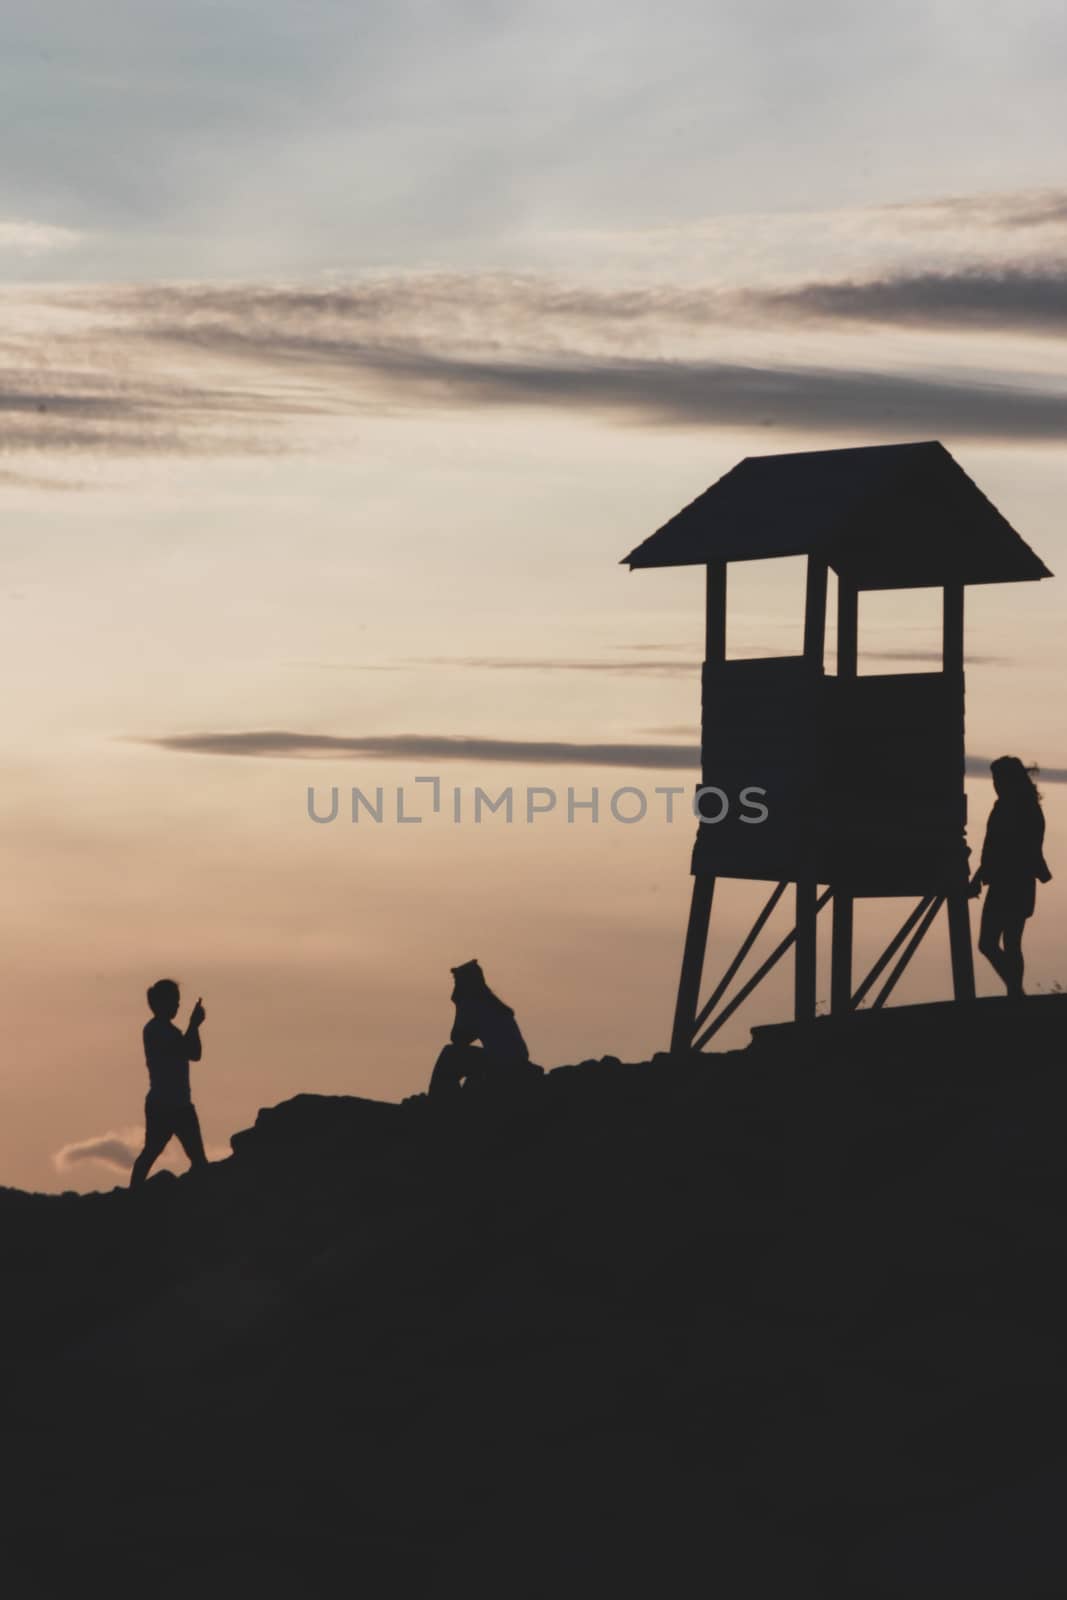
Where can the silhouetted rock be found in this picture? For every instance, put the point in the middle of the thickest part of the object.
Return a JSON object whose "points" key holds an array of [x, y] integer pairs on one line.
{"points": [[787, 1319]]}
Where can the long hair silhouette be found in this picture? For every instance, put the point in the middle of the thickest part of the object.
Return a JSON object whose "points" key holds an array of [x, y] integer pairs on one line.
{"points": [[1014, 781], [1012, 865]]}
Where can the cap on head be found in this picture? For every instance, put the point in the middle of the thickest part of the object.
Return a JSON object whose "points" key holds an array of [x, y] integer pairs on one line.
{"points": [[164, 997], [469, 969]]}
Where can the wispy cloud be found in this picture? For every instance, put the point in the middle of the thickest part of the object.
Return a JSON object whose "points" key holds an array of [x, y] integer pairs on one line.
{"points": [[472, 308], [760, 247], [1031, 299], [630, 644], [90, 410], [426, 747], [210, 369], [497, 313], [115, 1150], [39, 480], [118, 1149], [671, 668], [292, 745], [978, 767], [36, 238], [646, 390], [935, 656], [1018, 208]]}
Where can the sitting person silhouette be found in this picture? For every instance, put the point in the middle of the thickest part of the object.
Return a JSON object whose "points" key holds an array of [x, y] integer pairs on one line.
{"points": [[1012, 863], [480, 1014], [168, 1107]]}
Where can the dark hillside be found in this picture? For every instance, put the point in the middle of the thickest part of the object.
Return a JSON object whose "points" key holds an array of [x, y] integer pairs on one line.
{"points": [[785, 1320]]}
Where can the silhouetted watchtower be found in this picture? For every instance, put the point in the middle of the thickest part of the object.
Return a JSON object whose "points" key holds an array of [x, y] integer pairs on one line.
{"points": [[863, 775]]}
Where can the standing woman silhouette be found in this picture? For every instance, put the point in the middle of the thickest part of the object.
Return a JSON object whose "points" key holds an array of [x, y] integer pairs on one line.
{"points": [[1012, 862]]}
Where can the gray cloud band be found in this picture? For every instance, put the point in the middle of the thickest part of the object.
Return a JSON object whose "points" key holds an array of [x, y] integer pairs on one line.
{"points": [[430, 747], [801, 399], [435, 341], [998, 299], [292, 745], [401, 312]]}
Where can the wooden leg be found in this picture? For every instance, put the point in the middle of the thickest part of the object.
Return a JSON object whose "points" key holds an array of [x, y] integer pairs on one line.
{"points": [[841, 953], [959, 934], [804, 1006], [891, 949], [757, 978], [735, 965], [933, 906], [696, 940]]}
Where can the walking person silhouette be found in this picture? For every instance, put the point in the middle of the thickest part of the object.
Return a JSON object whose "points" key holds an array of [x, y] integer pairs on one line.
{"points": [[168, 1107], [1012, 864], [480, 1014]]}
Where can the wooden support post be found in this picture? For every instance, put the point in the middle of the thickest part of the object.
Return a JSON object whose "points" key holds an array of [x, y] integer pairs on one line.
{"points": [[841, 952], [757, 978], [847, 628], [841, 940], [952, 628], [890, 950], [715, 634], [959, 937], [815, 612], [696, 939], [959, 917], [913, 944], [807, 888], [746, 945], [804, 968]]}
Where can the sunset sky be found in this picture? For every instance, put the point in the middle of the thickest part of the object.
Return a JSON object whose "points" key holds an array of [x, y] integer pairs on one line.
{"points": [[346, 351]]}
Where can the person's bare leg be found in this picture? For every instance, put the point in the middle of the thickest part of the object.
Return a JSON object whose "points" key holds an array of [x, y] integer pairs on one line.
{"points": [[995, 956], [447, 1073], [154, 1145], [190, 1137], [1012, 957], [989, 936], [456, 1063]]}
